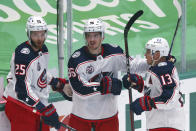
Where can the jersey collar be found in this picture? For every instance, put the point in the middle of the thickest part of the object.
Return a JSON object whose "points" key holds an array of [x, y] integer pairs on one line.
{"points": [[92, 56]]}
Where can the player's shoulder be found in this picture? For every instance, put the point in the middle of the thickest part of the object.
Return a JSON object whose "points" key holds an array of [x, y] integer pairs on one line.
{"points": [[23, 53], [163, 68], [78, 57], [112, 48], [166, 65], [44, 49], [23, 48]]}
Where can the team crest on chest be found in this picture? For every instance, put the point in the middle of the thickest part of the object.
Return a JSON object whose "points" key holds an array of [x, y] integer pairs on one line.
{"points": [[42, 81], [89, 69]]}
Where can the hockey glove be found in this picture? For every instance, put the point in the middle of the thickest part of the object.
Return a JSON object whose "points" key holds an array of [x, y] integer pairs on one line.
{"points": [[110, 85], [133, 80], [58, 84], [171, 58], [49, 115], [142, 104]]}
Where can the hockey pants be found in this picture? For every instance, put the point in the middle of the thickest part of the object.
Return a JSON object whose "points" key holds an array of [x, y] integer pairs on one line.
{"points": [[22, 119], [108, 124]]}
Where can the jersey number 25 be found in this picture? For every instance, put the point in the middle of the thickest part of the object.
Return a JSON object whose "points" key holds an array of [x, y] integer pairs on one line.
{"points": [[20, 69]]}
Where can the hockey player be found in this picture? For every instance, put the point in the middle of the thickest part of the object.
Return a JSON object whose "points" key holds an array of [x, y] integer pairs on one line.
{"points": [[28, 82], [162, 100], [93, 74]]}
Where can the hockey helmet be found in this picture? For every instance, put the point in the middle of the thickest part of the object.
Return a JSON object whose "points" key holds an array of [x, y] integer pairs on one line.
{"points": [[94, 25], [158, 44], [36, 23]]}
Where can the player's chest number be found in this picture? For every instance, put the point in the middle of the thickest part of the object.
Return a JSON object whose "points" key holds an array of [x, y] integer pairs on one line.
{"points": [[166, 79]]}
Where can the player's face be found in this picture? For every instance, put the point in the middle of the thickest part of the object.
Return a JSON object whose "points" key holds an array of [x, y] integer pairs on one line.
{"points": [[148, 56], [94, 40], [38, 38], [156, 55]]}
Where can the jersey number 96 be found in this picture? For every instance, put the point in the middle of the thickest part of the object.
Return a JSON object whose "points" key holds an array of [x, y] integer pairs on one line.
{"points": [[71, 72]]}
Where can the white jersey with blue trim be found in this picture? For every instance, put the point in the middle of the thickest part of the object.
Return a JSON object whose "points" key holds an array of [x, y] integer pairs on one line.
{"points": [[162, 84], [86, 71], [28, 77]]}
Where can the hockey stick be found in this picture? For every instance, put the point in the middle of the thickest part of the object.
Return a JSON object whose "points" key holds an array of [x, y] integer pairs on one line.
{"points": [[179, 9], [36, 112], [126, 30], [93, 127], [40, 124], [174, 36], [68, 127]]}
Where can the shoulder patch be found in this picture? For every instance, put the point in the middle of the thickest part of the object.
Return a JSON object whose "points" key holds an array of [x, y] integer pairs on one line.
{"points": [[76, 54], [25, 51], [114, 45]]}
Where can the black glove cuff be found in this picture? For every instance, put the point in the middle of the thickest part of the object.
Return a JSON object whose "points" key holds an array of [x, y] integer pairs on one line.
{"points": [[54, 81], [152, 103], [40, 106]]}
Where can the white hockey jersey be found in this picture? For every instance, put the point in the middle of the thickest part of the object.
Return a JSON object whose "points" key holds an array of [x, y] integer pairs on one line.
{"points": [[28, 78], [162, 84], [86, 71]]}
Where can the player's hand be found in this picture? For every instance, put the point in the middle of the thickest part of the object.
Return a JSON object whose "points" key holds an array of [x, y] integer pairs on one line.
{"points": [[142, 104], [67, 90], [110, 85], [133, 80], [171, 58], [49, 115], [58, 84]]}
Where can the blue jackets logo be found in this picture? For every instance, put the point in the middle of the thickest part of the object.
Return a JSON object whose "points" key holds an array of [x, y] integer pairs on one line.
{"points": [[76, 54], [25, 51], [89, 69], [42, 81]]}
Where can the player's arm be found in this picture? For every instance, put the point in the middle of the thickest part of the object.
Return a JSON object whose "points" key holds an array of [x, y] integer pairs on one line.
{"points": [[23, 74], [141, 104], [24, 92], [60, 85], [134, 81], [86, 89], [80, 86], [171, 97], [147, 103], [12, 68], [137, 65]]}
